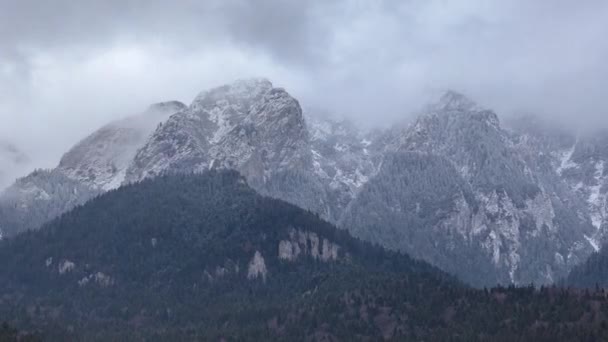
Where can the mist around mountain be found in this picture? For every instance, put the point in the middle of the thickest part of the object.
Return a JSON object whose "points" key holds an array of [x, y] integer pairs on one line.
{"points": [[204, 257], [513, 203], [13, 161], [94, 165]]}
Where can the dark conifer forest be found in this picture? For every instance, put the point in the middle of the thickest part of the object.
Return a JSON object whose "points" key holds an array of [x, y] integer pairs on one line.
{"points": [[204, 257]]}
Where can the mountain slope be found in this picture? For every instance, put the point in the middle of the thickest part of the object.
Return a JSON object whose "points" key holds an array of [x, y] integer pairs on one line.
{"points": [[249, 126], [343, 160], [206, 258], [466, 196], [42, 195], [578, 160], [593, 272], [96, 164]]}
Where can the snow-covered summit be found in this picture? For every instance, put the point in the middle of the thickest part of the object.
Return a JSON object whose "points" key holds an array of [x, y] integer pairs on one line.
{"points": [[240, 93], [456, 106]]}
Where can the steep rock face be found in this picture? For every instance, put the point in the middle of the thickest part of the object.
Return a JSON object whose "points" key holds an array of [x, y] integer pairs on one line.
{"points": [[249, 126], [579, 161], [418, 203], [95, 165], [462, 194], [343, 160], [584, 166]]}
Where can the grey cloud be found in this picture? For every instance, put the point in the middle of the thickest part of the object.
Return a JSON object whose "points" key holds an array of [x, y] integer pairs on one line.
{"points": [[68, 66], [281, 27]]}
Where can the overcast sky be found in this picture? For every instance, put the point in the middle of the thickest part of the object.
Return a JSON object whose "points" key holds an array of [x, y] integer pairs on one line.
{"points": [[69, 66]]}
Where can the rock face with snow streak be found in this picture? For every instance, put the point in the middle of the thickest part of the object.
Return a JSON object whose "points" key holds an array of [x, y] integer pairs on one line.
{"points": [[459, 191], [584, 166], [249, 126], [95, 165], [580, 161], [343, 160]]}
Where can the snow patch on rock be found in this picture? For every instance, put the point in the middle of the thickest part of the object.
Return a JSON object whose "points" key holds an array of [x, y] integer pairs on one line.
{"points": [[597, 200]]}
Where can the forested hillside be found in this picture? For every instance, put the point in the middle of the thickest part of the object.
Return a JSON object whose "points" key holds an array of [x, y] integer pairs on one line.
{"points": [[590, 274], [204, 257]]}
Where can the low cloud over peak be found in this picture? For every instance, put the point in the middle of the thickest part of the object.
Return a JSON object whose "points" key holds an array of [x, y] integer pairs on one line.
{"points": [[67, 67]]}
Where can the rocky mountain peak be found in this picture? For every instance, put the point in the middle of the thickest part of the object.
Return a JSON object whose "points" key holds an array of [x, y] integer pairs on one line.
{"points": [[241, 93], [277, 104], [453, 106], [454, 101], [247, 125], [454, 122]]}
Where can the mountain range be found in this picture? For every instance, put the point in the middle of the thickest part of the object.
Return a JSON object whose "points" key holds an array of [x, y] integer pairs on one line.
{"points": [[490, 202]]}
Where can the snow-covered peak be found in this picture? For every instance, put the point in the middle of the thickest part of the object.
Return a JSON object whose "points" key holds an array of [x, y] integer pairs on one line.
{"points": [[254, 84], [454, 108], [242, 91]]}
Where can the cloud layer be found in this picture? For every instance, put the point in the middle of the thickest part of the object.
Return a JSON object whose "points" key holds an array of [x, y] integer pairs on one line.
{"points": [[66, 67]]}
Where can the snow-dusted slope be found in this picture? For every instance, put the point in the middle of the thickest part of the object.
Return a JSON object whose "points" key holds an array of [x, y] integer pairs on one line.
{"points": [[101, 159], [581, 162], [342, 158], [95, 165], [260, 131], [249, 126], [459, 191], [584, 166], [39, 197]]}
